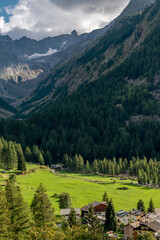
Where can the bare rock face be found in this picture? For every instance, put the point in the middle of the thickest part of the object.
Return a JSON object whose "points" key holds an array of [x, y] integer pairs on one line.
{"points": [[19, 73]]}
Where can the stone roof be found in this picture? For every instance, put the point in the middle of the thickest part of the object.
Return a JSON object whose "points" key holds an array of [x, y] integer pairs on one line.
{"points": [[66, 212], [136, 212], [121, 213], [155, 226]]}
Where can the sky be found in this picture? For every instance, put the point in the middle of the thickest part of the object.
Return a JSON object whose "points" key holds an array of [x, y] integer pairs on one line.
{"points": [[38, 19]]}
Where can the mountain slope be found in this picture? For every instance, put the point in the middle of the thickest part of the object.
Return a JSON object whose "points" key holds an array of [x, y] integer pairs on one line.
{"points": [[29, 60], [117, 115], [136, 6], [126, 35]]}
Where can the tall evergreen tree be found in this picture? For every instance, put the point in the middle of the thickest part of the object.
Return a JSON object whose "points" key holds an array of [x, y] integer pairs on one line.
{"points": [[111, 222], [21, 160], [28, 154], [19, 211], [140, 206], [40, 158], [95, 166], [105, 197], [87, 166], [41, 207], [64, 201], [5, 227], [151, 206]]}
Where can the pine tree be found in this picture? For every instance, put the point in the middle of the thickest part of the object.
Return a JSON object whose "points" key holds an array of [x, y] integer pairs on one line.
{"points": [[140, 177], [81, 163], [40, 158], [28, 154], [21, 160], [111, 222], [19, 211], [35, 152], [9, 156], [41, 207], [105, 197], [140, 206], [155, 180], [64, 201], [151, 206], [95, 166], [87, 166], [5, 227]]}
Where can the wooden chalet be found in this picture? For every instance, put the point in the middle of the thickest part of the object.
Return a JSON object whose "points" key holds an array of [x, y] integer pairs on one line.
{"points": [[132, 230], [98, 207]]}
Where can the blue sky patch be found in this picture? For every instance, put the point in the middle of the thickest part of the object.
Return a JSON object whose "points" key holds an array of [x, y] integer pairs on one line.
{"points": [[4, 4]]}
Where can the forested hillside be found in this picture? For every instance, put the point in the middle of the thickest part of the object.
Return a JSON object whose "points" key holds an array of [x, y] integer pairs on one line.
{"points": [[118, 115], [124, 37]]}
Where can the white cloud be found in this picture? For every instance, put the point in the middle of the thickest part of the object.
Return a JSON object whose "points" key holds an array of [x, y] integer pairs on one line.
{"points": [[38, 19]]}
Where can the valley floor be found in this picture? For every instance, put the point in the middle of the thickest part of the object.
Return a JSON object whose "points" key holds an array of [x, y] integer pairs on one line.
{"points": [[84, 192]]}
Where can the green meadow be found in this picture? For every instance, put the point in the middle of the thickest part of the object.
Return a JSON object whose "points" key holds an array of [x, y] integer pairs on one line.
{"points": [[83, 191]]}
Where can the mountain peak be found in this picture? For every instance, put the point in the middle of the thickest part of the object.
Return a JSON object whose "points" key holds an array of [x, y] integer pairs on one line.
{"points": [[74, 33]]}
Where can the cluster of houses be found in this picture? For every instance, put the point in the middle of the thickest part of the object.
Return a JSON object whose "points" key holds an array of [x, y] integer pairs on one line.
{"points": [[135, 222]]}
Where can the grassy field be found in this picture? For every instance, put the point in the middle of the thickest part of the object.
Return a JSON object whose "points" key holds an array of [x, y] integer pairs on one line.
{"points": [[84, 192]]}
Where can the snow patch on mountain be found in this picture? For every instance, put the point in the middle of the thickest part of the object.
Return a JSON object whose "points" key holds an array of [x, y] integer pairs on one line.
{"points": [[39, 55]]}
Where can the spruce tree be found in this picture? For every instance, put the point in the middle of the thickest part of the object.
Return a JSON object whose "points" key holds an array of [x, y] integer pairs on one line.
{"points": [[111, 222], [140, 206], [151, 206], [41, 207], [40, 158], [64, 201], [28, 154], [95, 166], [105, 198], [21, 160], [19, 211], [5, 227]]}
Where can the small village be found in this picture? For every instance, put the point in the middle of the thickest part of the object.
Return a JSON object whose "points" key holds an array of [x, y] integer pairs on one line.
{"points": [[132, 223]]}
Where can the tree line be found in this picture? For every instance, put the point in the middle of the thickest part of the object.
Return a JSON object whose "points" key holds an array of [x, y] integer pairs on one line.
{"points": [[146, 171]]}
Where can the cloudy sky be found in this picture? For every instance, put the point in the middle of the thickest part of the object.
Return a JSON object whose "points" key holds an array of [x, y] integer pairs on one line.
{"points": [[41, 18]]}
